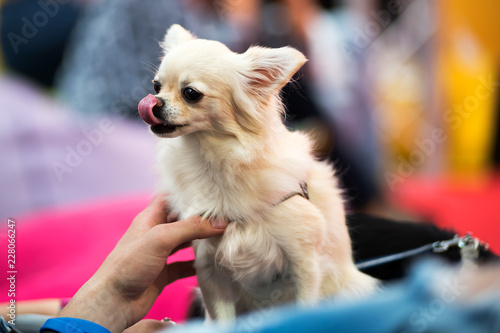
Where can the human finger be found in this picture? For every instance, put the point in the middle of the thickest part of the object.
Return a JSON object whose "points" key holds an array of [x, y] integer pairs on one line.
{"points": [[149, 326], [155, 213], [172, 217], [180, 270], [169, 236], [173, 272], [181, 247]]}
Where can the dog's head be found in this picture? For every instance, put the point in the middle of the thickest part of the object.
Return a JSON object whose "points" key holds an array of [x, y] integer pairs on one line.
{"points": [[202, 86]]}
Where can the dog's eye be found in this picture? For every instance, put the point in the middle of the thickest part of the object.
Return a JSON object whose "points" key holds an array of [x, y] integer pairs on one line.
{"points": [[191, 95], [157, 86]]}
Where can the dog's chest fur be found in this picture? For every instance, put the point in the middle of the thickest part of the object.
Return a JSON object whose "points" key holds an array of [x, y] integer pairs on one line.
{"points": [[218, 182]]}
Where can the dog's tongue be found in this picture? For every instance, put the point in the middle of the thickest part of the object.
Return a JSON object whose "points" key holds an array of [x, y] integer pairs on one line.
{"points": [[146, 106]]}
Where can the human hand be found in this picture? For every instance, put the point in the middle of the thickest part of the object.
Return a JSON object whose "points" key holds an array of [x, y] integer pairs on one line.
{"points": [[133, 275], [150, 326]]}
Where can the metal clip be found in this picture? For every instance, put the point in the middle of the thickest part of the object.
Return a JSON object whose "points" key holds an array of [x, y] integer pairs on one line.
{"points": [[443, 246], [469, 246]]}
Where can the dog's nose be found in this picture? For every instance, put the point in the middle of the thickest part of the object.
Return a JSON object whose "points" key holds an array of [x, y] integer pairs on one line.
{"points": [[157, 109], [146, 106], [159, 102]]}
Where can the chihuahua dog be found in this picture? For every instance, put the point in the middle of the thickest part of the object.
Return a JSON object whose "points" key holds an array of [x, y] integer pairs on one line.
{"points": [[225, 154]]}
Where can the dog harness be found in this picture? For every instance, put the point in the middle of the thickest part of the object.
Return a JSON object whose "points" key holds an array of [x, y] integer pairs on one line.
{"points": [[303, 193]]}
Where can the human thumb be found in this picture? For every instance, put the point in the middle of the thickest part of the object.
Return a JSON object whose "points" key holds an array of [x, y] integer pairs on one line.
{"points": [[195, 227]]}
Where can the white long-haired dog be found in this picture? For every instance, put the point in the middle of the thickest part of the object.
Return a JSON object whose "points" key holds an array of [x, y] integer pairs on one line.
{"points": [[225, 154]]}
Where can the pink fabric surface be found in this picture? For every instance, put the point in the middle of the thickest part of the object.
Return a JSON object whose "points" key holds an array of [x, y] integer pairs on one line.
{"points": [[58, 250]]}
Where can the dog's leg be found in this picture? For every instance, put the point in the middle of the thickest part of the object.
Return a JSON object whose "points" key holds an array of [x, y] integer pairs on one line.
{"points": [[218, 296], [215, 285], [307, 279], [300, 244]]}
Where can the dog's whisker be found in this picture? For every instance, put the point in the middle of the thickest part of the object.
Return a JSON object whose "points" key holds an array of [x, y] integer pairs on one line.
{"points": [[150, 67]]}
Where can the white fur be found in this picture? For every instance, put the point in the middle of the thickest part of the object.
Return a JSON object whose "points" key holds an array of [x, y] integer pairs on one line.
{"points": [[236, 160]]}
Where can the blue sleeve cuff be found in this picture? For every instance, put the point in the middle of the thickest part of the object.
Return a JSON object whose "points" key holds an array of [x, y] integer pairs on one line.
{"points": [[72, 325]]}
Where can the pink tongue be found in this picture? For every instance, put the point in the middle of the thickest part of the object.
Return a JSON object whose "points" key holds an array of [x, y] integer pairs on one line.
{"points": [[146, 106]]}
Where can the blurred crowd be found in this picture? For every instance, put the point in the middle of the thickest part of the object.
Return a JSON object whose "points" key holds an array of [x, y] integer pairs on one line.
{"points": [[393, 89]]}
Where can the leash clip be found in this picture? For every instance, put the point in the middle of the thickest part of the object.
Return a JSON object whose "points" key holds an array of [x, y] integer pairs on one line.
{"points": [[443, 246], [469, 241], [469, 246]]}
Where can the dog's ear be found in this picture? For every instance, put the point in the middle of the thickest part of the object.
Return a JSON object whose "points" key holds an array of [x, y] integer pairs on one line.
{"points": [[271, 68], [175, 35]]}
